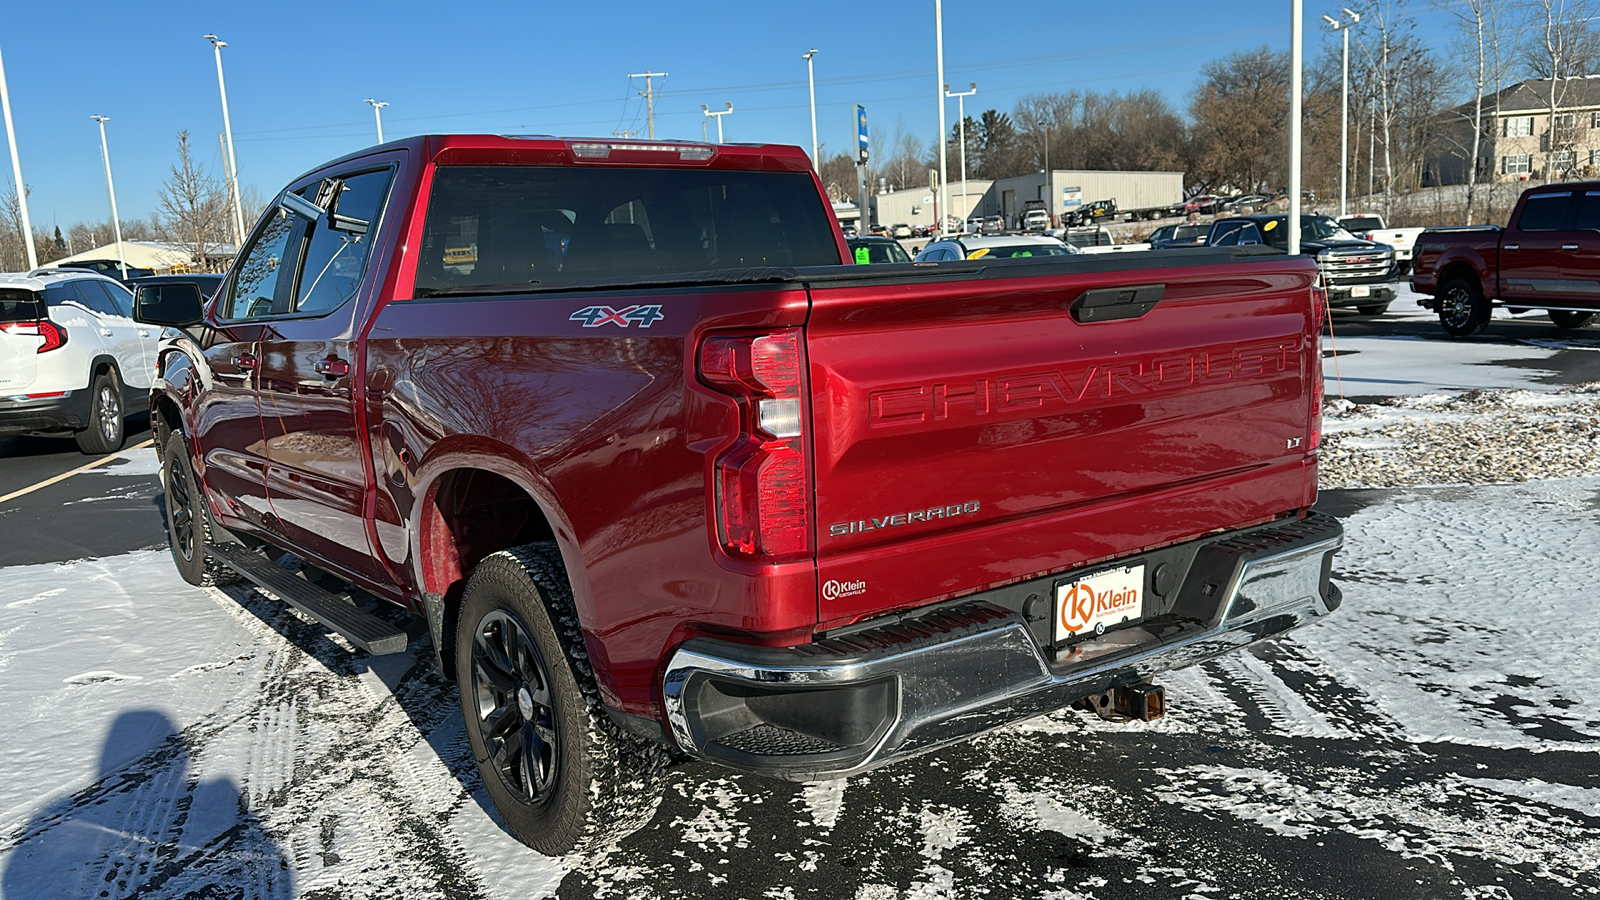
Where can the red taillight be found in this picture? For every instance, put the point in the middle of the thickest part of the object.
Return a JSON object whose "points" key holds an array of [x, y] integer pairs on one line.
{"points": [[762, 482], [54, 335], [1319, 317]]}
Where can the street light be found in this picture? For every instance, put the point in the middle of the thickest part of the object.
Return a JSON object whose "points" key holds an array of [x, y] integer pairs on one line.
{"points": [[718, 116], [811, 80], [377, 114], [116, 224], [1296, 76], [1341, 26], [233, 162], [961, 124], [16, 171], [944, 147]]}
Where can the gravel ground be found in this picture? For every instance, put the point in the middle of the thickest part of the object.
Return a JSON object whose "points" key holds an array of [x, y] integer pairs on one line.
{"points": [[1478, 437]]}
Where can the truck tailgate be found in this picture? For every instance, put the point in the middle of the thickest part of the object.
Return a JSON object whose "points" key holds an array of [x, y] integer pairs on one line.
{"points": [[969, 432]]}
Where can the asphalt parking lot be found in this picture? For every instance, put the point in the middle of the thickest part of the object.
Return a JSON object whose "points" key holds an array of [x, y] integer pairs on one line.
{"points": [[1432, 740]]}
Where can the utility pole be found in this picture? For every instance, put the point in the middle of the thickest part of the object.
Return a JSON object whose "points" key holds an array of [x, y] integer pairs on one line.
{"points": [[377, 114], [811, 81], [944, 145], [116, 224], [649, 100], [716, 115], [1296, 77], [16, 171], [961, 125], [227, 129]]}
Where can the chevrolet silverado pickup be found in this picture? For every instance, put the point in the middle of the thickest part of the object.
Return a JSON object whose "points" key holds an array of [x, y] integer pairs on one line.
{"points": [[1547, 257], [666, 478]]}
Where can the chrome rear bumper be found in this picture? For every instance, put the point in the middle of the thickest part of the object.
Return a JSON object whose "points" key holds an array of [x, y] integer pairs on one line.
{"points": [[848, 704]]}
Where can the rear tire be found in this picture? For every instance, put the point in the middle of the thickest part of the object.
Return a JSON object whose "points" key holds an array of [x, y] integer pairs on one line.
{"points": [[1463, 310], [106, 432], [1566, 320], [188, 519], [562, 775], [1373, 309]]}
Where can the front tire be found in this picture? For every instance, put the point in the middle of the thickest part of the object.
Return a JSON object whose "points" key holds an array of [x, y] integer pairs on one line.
{"points": [[188, 519], [1463, 310], [1567, 320], [106, 432], [561, 774]]}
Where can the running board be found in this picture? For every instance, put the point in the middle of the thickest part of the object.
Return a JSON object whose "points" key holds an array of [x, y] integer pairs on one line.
{"points": [[358, 626]]}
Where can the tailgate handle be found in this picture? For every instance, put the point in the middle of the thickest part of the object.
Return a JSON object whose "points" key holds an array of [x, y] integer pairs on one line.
{"points": [[1125, 302]]}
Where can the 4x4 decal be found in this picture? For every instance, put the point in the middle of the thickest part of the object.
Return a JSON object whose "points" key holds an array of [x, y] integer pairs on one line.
{"points": [[596, 316]]}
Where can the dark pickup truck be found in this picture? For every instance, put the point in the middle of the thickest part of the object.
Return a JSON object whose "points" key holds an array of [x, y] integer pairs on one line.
{"points": [[1547, 257], [665, 478], [1355, 272]]}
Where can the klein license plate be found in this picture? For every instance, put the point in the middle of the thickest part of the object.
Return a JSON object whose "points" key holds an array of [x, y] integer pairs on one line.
{"points": [[1360, 290], [1099, 601]]}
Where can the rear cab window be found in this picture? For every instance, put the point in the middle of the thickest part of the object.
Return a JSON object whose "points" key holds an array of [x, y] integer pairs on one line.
{"points": [[1545, 212], [503, 227]]}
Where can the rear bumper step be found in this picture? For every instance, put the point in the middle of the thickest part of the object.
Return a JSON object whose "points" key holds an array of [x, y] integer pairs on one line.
{"points": [[359, 627], [847, 704]]}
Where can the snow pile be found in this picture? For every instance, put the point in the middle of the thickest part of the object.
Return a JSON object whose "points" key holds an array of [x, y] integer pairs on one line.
{"points": [[1478, 437]]}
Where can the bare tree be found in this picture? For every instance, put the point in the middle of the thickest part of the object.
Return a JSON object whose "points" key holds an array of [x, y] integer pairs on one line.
{"points": [[192, 208], [14, 248], [1566, 48], [1238, 111]]}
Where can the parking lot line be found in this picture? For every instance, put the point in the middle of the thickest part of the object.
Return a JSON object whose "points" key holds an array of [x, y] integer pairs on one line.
{"points": [[65, 475]]}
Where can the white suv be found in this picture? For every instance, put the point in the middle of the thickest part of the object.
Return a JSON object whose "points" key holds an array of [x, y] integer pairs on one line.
{"points": [[71, 357]]}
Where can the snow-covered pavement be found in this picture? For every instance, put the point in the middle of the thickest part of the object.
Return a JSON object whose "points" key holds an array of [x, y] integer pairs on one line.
{"points": [[1430, 740]]}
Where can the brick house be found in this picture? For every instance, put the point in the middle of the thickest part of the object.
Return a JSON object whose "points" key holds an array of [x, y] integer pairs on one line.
{"points": [[1519, 143]]}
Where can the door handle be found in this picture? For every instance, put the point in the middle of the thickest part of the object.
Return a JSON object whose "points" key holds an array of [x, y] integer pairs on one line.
{"points": [[1512, 247], [106, 332], [333, 367], [1572, 247], [143, 333], [246, 361]]}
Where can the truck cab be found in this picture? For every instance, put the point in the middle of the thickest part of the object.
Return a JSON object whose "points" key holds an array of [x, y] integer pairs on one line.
{"points": [[1355, 272]]}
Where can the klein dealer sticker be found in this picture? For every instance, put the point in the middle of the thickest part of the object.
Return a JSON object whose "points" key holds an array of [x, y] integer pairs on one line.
{"points": [[1105, 598], [596, 316], [863, 256]]}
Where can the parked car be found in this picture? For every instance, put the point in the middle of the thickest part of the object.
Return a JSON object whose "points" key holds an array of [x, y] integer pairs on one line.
{"points": [[108, 267], [900, 230], [992, 225], [1089, 213], [867, 250], [1202, 203], [701, 490], [1370, 227], [1355, 272], [1014, 246], [72, 360], [1036, 220], [1543, 259], [1169, 237]]}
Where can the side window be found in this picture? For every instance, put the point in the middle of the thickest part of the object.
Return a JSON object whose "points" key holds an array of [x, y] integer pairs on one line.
{"points": [[1588, 212], [1545, 212], [91, 296], [258, 289], [336, 259], [57, 294], [1250, 234], [117, 301]]}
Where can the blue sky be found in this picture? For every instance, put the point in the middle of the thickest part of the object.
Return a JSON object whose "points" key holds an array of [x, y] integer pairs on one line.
{"points": [[298, 72]]}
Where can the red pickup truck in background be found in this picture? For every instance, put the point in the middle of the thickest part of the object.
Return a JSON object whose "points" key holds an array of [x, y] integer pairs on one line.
{"points": [[1547, 257], [664, 478]]}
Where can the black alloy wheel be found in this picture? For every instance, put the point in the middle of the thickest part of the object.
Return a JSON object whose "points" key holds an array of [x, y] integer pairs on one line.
{"points": [[1463, 310], [105, 433], [188, 521], [516, 715]]}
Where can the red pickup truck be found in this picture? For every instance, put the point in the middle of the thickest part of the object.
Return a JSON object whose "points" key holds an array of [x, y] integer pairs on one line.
{"points": [[1547, 258], [666, 479]]}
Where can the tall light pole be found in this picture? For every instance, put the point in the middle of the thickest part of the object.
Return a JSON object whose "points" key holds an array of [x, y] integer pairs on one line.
{"points": [[961, 125], [16, 171], [1296, 77], [1342, 26], [233, 163], [944, 146], [718, 116], [811, 81], [377, 115], [111, 189]]}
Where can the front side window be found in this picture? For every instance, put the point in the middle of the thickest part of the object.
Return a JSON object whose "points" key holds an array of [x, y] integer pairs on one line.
{"points": [[263, 280], [499, 228], [336, 258]]}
